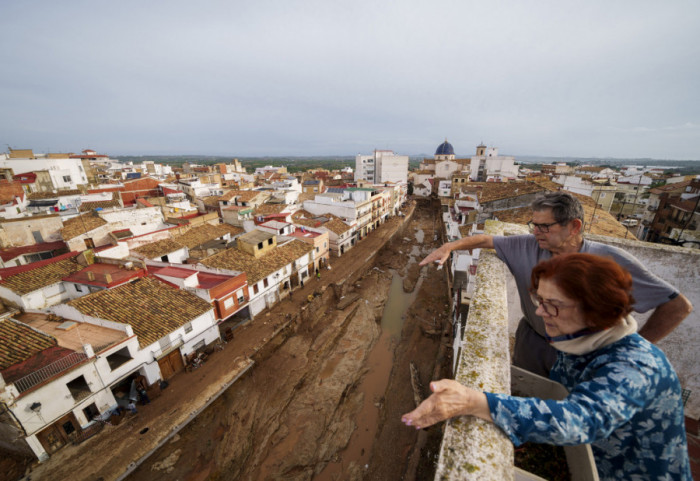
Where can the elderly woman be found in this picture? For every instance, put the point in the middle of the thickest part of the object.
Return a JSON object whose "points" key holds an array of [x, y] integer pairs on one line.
{"points": [[624, 396]]}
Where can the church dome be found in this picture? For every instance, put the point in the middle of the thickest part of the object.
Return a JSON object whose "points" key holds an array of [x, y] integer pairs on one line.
{"points": [[445, 148]]}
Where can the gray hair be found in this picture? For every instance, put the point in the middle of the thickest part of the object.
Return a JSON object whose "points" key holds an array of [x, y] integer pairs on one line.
{"points": [[565, 207]]}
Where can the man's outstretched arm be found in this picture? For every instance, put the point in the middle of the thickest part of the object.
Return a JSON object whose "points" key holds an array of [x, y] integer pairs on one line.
{"points": [[440, 255]]}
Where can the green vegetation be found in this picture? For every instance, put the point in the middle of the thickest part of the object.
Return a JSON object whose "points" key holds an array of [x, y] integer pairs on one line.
{"points": [[293, 164]]}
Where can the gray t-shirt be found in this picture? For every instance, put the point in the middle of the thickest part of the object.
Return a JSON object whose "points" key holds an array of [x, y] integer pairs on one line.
{"points": [[522, 252]]}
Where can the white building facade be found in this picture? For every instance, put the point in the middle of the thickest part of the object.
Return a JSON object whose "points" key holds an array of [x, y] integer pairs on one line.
{"points": [[381, 166]]}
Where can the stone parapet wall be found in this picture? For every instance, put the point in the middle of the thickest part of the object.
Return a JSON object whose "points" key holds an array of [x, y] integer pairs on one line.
{"points": [[473, 449]]}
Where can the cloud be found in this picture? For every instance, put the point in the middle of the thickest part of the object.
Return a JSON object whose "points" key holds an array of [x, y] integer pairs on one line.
{"points": [[318, 77]]}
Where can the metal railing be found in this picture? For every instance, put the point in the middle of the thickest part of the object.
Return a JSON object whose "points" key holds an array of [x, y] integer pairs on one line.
{"points": [[49, 371]]}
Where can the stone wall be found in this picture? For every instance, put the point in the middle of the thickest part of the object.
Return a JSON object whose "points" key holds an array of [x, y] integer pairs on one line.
{"points": [[473, 449]]}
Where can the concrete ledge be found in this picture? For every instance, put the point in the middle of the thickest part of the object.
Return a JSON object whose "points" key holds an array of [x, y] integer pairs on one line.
{"points": [[473, 449]]}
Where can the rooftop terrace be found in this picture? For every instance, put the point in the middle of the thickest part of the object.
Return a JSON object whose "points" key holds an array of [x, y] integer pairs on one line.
{"points": [[476, 450]]}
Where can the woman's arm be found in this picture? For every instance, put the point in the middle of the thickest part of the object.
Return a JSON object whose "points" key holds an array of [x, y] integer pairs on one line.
{"points": [[449, 399], [592, 410]]}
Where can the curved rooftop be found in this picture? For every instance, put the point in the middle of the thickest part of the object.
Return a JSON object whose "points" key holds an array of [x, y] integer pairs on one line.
{"points": [[445, 148]]}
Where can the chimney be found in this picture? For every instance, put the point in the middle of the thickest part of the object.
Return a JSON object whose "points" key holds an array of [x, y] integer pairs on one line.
{"points": [[87, 349], [91, 276], [108, 278]]}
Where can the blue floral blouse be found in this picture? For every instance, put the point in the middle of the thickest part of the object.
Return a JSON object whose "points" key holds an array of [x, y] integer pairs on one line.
{"points": [[624, 399]]}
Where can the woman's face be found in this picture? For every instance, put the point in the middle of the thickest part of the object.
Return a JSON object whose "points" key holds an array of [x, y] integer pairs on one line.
{"points": [[569, 318]]}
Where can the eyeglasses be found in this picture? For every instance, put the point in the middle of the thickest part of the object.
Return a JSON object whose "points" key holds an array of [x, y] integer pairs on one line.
{"points": [[544, 228], [549, 307]]}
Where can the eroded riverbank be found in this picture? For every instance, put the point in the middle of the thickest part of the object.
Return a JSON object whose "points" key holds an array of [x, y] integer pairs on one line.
{"points": [[316, 405]]}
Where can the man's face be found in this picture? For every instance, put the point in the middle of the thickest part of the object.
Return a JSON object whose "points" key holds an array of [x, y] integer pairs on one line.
{"points": [[558, 235]]}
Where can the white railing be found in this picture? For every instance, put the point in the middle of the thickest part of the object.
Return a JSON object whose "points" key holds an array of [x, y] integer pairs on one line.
{"points": [[49, 371]]}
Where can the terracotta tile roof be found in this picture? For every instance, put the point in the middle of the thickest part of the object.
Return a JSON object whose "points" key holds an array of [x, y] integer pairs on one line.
{"points": [[677, 187], [302, 213], [143, 202], [232, 229], [492, 191], [267, 209], [257, 269], [306, 196], [548, 184], [53, 195], [81, 224], [114, 202], [10, 190], [158, 248], [12, 252], [199, 235], [150, 306], [46, 275], [19, 342], [305, 218], [162, 201], [212, 200], [337, 226], [248, 195], [229, 195]]}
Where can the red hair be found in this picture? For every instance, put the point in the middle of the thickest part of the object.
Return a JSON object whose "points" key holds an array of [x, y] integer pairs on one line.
{"points": [[602, 288]]}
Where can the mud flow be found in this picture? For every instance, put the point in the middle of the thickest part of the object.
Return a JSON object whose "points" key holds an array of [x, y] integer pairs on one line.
{"points": [[324, 399]]}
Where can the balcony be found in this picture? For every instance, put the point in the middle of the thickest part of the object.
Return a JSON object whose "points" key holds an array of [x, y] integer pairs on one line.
{"points": [[473, 449], [47, 372]]}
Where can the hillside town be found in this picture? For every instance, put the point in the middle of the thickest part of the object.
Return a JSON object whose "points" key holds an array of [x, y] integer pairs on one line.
{"points": [[116, 278]]}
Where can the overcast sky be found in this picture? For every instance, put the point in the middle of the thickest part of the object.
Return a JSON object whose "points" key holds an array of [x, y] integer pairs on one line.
{"points": [[252, 78]]}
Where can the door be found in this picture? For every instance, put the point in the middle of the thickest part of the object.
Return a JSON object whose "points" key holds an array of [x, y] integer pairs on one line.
{"points": [[171, 364], [57, 435], [51, 439]]}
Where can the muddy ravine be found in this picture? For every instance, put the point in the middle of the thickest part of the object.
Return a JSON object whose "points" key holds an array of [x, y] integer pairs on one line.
{"points": [[323, 401]]}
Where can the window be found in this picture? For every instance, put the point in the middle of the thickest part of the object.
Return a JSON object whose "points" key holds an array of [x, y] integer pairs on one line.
{"points": [[239, 294], [79, 388], [78, 288], [91, 412], [269, 241], [260, 245], [116, 359], [265, 283], [228, 303], [66, 178], [255, 289], [68, 427]]}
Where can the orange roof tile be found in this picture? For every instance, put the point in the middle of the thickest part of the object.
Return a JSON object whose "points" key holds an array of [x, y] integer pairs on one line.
{"points": [[199, 235], [152, 308], [81, 224], [257, 269], [158, 248], [19, 342], [46, 275]]}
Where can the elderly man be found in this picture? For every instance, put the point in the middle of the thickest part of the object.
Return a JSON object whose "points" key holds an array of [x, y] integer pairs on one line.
{"points": [[557, 229]]}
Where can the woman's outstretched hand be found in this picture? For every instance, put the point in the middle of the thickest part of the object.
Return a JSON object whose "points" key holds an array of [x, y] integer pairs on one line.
{"points": [[449, 399]]}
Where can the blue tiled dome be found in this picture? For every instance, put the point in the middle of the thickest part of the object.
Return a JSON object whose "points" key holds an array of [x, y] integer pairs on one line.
{"points": [[445, 148]]}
